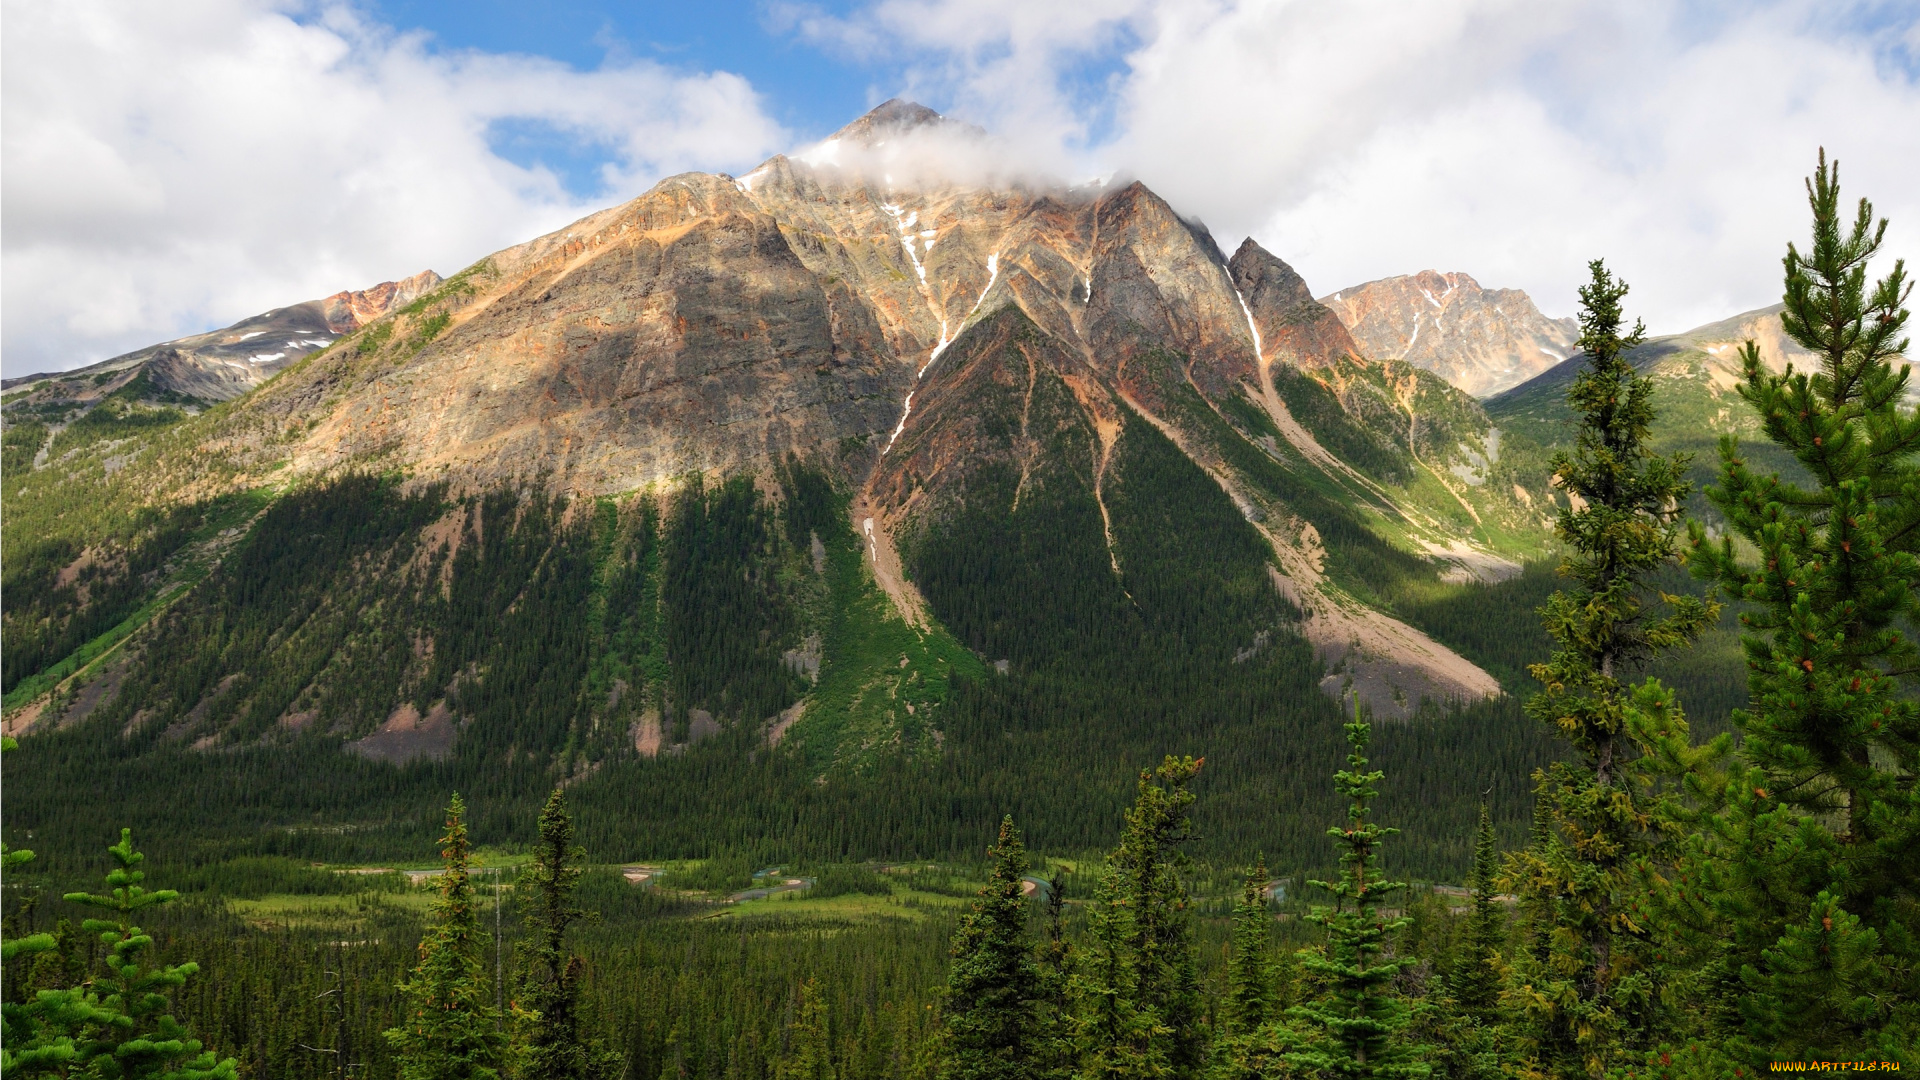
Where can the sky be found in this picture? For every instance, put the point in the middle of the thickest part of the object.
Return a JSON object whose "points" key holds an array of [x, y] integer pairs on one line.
{"points": [[169, 169]]}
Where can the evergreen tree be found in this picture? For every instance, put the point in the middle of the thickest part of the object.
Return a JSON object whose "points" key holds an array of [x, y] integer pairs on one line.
{"points": [[1249, 1001], [118, 1023], [1590, 1001], [450, 1031], [1818, 885], [1054, 1046], [1242, 1047], [809, 1053], [1475, 978], [1350, 1031], [993, 987], [554, 1046], [1139, 989]]}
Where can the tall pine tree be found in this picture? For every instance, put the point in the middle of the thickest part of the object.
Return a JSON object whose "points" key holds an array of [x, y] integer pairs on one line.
{"points": [[451, 1030], [554, 1044], [1820, 889], [1592, 1001], [1475, 978], [993, 988], [1351, 1029], [1139, 988], [809, 1052], [1243, 1048]]}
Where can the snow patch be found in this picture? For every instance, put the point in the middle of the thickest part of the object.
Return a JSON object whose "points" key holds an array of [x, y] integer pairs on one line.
{"points": [[250, 333], [1259, 351], [265, 358]]}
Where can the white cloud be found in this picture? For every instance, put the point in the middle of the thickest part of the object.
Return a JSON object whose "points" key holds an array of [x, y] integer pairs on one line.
{"points": [[174, 167], [1511, 139]]}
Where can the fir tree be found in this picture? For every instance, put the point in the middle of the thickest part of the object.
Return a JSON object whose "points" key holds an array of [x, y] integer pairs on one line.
{"points": [[1054, 1049], [1475, 977], [1350, 1031], [993, 987], [1242, 1047], [450, 1031], [554, 1046], [1818, 885], [1249, 1001], [118, 1022], [1590, 1001], [809, 1053], [1139, 989]]}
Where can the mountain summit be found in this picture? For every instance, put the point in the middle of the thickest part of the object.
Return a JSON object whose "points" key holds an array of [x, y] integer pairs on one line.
{"points": [[1480, 340]]}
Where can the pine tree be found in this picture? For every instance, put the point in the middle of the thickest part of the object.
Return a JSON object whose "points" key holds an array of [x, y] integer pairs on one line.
{"points": [[1139, 989], [1590, 1003], [1249, 1001], [117, 1023], [450, 1031], [1242, 1047], [1351, 1030], [1475, 978], [553, 1044], [1818, 830], [993, 986], [1054, 1050], [809, 1053]]}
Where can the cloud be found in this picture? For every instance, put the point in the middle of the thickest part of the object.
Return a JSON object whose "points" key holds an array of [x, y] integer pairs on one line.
{"points": [[175, 167], [1511, 139]]}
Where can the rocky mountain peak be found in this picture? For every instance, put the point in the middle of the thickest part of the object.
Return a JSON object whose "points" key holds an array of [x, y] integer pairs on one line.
{"points": [[1293, 327], [349, 310], [1483, 341], [890, 117]]}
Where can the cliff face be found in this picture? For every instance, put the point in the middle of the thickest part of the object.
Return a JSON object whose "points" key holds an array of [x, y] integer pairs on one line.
{"points": [[1480, 340]]}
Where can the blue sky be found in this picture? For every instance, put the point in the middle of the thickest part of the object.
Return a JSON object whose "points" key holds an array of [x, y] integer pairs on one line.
{"points": [[173, 168], [804, 88]]}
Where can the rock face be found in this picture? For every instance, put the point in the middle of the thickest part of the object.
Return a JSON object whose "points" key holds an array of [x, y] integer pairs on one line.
{"points": [[223, 364], [348, 311], [1482, 341]]}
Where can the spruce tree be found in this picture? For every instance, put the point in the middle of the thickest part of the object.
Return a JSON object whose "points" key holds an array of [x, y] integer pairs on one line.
{"points": [[450, 1029], [1351, 1029], [1475, 978], [1054, 1050], [1242, 1046], [117, 1023], [993, 986], [554, 1045], [1249, 1001], [1139, 988], [1819, 885], [1590, 1002], [809, 1054]]}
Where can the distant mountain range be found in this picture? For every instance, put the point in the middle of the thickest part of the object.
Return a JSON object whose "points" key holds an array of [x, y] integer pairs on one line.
{"points": [[223, 364], [1009, 428]]}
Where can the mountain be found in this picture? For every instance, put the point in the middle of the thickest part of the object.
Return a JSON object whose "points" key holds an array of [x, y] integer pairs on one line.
{"points": [[1483, 341], [1007, 484], [223, 364], [1697, 373]]}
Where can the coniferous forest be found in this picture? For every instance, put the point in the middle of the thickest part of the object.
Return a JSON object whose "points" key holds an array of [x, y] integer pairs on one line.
{"points": [[1099, 820]]}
